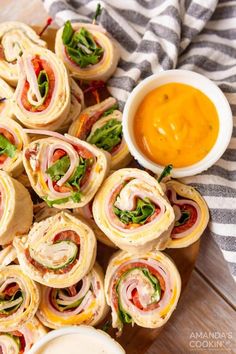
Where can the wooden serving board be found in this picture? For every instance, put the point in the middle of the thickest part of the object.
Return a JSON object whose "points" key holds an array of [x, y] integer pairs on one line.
{"points": [[136, 340]]}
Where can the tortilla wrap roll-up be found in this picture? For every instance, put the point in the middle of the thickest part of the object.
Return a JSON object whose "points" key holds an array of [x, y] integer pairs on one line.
{"points": [[58, 251], [141, 289], [20, 341], [101, 125], [42, 96], [87, 50], [7, 255], [19, 298], [64, 171], [15, 38], [191, 214], [13, 139], [86, 213], [77, 104], [16, 209], [131, 209], [82, 303], [6, 93]]}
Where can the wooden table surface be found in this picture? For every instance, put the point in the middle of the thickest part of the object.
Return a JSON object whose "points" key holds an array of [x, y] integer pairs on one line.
{"points": [[205, 319]]}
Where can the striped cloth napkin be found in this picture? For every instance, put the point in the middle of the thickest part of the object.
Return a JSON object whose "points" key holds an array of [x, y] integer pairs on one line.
{"points": [[157, 35]]}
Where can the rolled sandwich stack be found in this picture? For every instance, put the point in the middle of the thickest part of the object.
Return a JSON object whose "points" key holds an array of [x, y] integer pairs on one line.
{"points": [[191, 214], [42, 96], [101, 125], [58, 252], [87, 51], [141, 289], [65, 171], [82, 303], [19, 298], [131, 209]]}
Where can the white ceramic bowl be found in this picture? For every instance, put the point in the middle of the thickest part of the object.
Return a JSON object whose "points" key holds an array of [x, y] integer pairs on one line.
{"points": [[189, 78], [108, 344]]}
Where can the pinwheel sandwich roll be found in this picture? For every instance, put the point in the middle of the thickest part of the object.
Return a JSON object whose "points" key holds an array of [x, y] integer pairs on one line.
{"points": [[13, 139], [42, 96], [77, 104], [15, 38], [65, 171], [58, 251], [82, 303], [19, 298], [7, 254], [86, 213], [16, 209], [21, 340], [131, 209], [101, 125], [6, 93], [142, 290], [87, 50], [191, 214]]}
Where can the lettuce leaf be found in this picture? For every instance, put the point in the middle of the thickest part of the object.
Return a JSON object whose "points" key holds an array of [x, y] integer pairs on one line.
{"points": [[80, 46], [142, 212], [166, 172], [184, 217], [6, 147], [43, 84], [108, 136], [59, 168]]}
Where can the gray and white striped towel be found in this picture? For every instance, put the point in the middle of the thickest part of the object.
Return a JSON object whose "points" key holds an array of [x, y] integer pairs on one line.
{"points": [[156, 35]]}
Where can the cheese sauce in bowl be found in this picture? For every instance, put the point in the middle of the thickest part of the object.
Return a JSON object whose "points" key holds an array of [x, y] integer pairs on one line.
{"points": [[177, 117]]}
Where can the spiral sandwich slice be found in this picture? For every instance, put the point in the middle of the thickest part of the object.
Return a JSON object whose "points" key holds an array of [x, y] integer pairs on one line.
{"points": [[65, 171], [58, 251], [82, 303], [87, 50], [132, 211], [191, 214], [19, 298], [101, 125], [42, 96], [21, 340], [14, 220], [13, 139], [142, 289], [15, 38]]}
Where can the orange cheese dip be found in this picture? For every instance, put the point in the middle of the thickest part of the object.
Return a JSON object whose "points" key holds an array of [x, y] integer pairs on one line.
{"points": [[176, 124]]}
